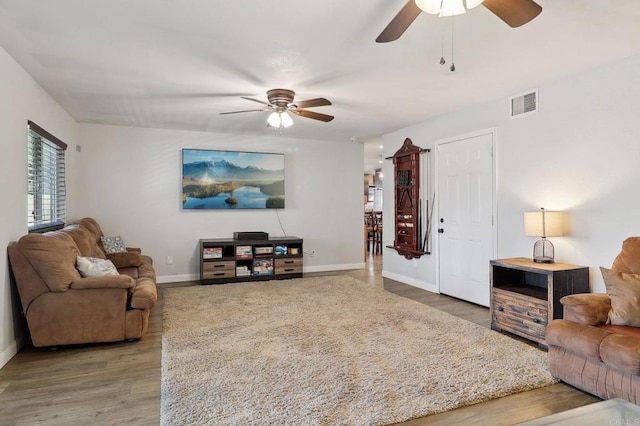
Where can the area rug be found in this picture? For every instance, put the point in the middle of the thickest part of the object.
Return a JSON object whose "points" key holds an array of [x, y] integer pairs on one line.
{"points": [[324, 351]]}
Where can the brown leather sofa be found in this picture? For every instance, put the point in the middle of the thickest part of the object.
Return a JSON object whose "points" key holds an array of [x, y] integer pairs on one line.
{"points": [[588, 352], [61, 307]]}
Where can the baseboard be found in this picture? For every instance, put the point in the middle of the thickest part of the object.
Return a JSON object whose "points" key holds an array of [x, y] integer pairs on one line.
{"points": [[10, 351], [341, 267], [177, 278], [411, 281]]}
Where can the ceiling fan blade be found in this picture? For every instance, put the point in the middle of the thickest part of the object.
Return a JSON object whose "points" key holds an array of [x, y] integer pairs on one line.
{"points": [[514, 12], [255, 100], [309, 103], [314, 115], [246, 110], [399, 23]]}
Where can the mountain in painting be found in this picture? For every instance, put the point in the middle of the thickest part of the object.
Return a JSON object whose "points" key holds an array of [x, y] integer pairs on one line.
{"points": [[223, 170]]}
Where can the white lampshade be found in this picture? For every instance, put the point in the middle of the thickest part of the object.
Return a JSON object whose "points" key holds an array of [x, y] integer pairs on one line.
{"points": [[446, 7], [544, 223], [429, 6], [473, 3], [285, 119], [274, 119]]}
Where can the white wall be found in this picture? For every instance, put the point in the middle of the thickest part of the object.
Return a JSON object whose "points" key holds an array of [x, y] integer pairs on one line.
{"points": [[131, 181], [579, 153], [22, 99]]}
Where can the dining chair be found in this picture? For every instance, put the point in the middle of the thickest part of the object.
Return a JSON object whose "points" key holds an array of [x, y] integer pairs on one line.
{"points": [[377, 220], [370, 224]]}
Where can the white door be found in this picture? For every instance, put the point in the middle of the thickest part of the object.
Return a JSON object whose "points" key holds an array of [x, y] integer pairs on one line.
{"points": [[465, 219]]}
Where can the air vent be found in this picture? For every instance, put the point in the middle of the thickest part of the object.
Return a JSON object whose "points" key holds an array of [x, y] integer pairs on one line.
{"points": [[524, 103]]}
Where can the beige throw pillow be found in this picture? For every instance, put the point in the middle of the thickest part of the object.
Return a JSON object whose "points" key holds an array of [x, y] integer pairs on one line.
{"points": [[624, 291], [94, 267]]}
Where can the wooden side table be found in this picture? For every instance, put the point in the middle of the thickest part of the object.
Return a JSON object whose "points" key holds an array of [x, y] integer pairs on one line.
{"points": [[526, 295]]}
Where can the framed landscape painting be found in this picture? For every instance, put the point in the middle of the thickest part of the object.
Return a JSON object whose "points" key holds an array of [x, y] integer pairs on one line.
{"points": [[232, 180]]}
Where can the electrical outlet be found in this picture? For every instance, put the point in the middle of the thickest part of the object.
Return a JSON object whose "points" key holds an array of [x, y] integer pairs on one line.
{"points": [[169, 260]]}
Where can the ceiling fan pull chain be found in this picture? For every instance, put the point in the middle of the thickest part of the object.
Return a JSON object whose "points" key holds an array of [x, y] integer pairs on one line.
{"points": [[442, 61], [453, 67]]}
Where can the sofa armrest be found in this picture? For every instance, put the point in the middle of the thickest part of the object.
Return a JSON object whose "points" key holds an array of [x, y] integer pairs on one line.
{"points": [[107, 281], [587, 308], [78, 316], [580, 339], [134, 250], [145, 294], [124, 260]]}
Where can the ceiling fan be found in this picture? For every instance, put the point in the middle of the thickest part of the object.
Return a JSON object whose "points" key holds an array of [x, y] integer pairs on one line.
{"points": [[514, 12], [280, 104]]}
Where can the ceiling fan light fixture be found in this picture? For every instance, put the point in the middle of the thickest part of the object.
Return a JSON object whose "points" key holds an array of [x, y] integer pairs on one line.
{"points": [[280, 119], [444, 8]]}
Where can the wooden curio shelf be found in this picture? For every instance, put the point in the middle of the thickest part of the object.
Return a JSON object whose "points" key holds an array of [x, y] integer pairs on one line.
{"points": [[408, 221]]}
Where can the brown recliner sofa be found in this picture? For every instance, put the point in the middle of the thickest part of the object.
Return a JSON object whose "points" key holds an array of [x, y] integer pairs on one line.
{"points": [[61, 307], [588, 352]]}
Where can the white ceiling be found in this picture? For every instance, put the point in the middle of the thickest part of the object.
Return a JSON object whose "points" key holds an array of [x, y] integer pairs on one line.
{"points": [[178, 63]]}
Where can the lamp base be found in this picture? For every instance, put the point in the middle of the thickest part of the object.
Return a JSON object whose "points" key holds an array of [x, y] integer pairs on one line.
{"points": [[543, 251]]}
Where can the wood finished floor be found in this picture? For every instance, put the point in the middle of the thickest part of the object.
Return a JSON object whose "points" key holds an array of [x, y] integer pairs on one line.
{"points": [[120, 383]]}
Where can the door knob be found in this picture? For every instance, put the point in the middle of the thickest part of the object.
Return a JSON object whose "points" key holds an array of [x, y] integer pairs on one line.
{"points": [[440, 231]]}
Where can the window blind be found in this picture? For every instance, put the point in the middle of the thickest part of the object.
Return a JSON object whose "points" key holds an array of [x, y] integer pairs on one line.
{"points": [[46, 188]]}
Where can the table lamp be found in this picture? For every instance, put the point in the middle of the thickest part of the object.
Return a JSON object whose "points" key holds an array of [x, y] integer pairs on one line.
{"points": [[543, 224]]}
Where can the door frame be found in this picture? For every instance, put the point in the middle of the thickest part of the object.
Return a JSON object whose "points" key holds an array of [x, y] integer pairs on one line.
{"points": [[493, 131]]}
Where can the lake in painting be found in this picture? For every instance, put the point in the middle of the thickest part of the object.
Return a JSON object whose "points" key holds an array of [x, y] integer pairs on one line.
{"points": [[248, 197]]}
